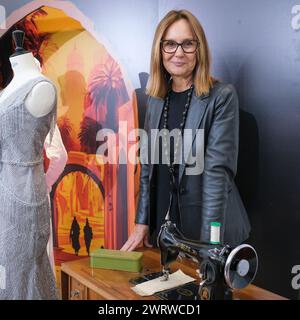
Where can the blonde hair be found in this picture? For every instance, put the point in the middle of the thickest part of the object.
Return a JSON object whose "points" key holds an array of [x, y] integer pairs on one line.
{"points": [[159, 77]]}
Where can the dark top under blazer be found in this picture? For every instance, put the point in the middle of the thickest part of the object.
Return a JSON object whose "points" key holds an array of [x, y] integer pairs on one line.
{"points": [[211, 195]]}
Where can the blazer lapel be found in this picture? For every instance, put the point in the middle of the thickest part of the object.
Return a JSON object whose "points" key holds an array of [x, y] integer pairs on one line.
{"points": [[157, 108], [193, 120]]}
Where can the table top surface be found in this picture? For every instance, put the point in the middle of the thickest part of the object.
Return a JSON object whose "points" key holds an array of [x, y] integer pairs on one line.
{"points": [[115, 285]]}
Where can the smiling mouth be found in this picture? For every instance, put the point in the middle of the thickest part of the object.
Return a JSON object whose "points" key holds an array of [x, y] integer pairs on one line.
{"points": [[178, 64]]}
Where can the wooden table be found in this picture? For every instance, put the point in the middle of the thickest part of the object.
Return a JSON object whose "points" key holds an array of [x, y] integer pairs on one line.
{"points": [[80, 282]]}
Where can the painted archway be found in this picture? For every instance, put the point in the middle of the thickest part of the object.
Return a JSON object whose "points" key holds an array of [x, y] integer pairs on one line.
{"points": [[85, 201]]}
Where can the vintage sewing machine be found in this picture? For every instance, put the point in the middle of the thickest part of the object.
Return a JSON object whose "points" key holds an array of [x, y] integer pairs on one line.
{"points": [[221, 268]]}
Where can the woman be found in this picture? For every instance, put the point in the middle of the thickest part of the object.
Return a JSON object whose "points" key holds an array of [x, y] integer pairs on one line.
{"points": [[183, 95]]}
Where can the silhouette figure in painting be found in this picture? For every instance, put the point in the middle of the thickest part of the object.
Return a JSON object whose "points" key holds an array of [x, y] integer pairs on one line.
{"points": [[88, 235], [74, 235]]}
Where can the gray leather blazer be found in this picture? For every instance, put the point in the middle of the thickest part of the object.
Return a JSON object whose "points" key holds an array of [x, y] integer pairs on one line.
{"points": [[211, 195]]}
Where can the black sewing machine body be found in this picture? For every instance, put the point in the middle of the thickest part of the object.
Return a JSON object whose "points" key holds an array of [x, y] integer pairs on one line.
{"points": [[221, 268]]}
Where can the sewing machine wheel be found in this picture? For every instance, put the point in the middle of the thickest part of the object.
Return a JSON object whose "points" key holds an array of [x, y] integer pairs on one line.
{"points": [[241, 266]]}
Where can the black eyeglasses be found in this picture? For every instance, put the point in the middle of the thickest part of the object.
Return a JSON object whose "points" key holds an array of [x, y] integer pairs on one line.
{"points": [[171, 46]]}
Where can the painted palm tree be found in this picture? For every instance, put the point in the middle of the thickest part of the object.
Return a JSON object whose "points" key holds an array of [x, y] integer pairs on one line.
{"points": [[107, 92], [65, 127], [87, 136], [34, 40]]}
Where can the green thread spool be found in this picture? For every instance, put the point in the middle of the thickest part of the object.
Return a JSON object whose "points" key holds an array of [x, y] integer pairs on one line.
{"points": [[215, 232]]}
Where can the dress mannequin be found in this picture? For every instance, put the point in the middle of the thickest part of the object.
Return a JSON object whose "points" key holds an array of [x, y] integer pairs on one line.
{"points": [[25, 68], [27, 115]]}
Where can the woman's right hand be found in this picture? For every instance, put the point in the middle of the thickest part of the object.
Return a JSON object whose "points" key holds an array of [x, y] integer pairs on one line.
{"points": [[139, 234]]}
